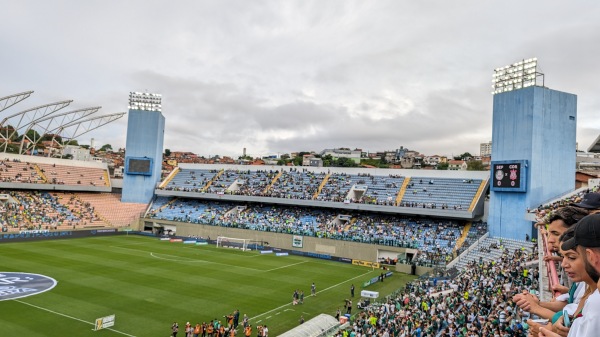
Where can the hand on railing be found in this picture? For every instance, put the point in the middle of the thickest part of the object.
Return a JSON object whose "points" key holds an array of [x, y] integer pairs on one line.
{"points": [[557, 288]]}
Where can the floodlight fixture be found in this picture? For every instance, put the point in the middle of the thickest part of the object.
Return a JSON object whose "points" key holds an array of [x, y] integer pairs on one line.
{"points": [[521, 74], [145, 101]]}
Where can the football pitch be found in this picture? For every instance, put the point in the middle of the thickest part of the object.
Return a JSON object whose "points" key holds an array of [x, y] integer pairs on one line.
{"points": [[148, 284]]}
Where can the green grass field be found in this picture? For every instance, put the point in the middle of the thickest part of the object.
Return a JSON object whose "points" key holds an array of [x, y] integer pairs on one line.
{"points": [[149, 284]]}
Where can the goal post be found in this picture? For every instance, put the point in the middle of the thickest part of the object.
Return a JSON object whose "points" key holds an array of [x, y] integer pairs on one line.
{"points": [[236, 243]]}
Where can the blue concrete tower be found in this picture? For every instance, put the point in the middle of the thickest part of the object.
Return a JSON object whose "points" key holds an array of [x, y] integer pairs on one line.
{"points": [[144, 147], [536, 128]]}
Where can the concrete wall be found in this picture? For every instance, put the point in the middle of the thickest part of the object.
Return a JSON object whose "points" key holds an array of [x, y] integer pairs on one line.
{"points": [[145, 136], [539, 125], [347, 249], [407, 269]]}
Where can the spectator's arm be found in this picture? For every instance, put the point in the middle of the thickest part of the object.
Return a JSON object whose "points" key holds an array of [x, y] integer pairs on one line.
{"points": [[546, 332], [554, 306], [559, 328]]}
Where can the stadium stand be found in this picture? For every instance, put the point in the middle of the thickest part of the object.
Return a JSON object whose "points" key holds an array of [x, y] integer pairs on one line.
{"points": [[419, 192], [474, 303], [39, 210], [440, 192], [52, 174], [435, 240]]}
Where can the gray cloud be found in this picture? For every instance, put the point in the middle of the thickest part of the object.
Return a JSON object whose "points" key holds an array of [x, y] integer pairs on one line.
{"points": [[277, 77]]}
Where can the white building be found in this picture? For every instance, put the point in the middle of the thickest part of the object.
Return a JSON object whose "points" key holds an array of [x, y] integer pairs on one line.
{"points": [[343, 153], [485, 149], [78, 153]]}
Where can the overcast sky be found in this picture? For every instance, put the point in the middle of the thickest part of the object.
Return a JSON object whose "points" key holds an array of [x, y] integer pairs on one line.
{"points": [[283, 76]]}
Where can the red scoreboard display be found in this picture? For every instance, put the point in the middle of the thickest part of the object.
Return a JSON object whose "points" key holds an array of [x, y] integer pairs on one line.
{"points": [[509, 176]]}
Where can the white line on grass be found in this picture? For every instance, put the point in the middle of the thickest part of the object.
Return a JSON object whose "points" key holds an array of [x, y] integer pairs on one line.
{"points": [[182, 259], [333, 286], [71, 317], [176, 258], [237, 252], [289, 265]]}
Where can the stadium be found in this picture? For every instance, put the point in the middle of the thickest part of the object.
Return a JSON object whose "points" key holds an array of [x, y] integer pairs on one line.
{"points": [[210, 249]]}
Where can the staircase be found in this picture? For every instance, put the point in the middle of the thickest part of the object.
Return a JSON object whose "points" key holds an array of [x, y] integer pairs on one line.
{"points": [[402, 191], [170, 177], [205, 188], [42, 175], [463, 237], [323, 183], [273, 182], [477, 195]]}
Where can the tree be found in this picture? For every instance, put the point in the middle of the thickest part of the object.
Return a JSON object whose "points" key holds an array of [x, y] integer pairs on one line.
{"points": [[167, 153], [464, 156], [106, 147], [382, 159], [442, 166], [33, 135], [345, 162], [475, 165], [327, 160], [374, 162]]}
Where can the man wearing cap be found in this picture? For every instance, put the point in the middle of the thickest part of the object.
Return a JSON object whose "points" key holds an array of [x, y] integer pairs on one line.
{"points": [[589, 201], [587, 242]]}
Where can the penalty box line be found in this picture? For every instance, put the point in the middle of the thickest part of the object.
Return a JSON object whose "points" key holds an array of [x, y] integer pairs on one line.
{"points": [[331, 287], [71, 317]]}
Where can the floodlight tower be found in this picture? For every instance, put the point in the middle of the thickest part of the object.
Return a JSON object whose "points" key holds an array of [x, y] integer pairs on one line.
{"points": [[144, 147], [533, 147]]}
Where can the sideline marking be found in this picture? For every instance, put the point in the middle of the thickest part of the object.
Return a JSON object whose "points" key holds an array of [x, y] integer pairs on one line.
{"points": [[287, 304], [178, 259], [71, 317], [289, 265]]}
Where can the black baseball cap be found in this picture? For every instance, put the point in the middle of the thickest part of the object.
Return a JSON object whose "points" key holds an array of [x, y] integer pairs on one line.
{"points": [[587, 233], [589, 201]]}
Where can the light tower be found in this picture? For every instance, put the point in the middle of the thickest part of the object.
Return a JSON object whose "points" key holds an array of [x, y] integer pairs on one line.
{"points": [[144, 147], [533, 147]]}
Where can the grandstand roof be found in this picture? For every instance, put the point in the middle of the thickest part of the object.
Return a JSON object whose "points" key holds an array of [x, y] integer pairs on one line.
{"points": [[595, 147], [314, 327], [350, 170]]}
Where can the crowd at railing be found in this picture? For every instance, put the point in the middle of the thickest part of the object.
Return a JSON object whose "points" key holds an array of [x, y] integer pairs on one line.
{"points": [[475, 303], [543, 211], [436, 240], [302, 184], [501, 297], [570, 286]]}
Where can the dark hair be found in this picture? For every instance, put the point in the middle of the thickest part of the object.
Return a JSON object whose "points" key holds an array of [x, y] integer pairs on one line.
{"points": [[570, 215], [568, 234]]}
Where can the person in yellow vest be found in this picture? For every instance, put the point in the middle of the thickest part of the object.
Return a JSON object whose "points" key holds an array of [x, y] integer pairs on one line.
{"points": [[466, 296]]}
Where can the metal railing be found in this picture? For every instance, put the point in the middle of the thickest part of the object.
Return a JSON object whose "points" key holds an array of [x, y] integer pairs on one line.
{"points": [[550, 265]]}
